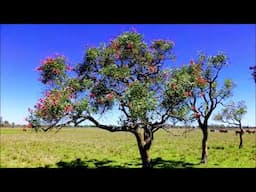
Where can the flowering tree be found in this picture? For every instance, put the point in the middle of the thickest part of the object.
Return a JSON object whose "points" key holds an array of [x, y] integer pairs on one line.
{"points": [[57, 101], [127, 74], [233, 114], [202, 90]]}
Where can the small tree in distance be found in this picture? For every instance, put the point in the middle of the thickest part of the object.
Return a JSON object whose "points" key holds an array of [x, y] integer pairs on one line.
{"points": [[233, 114]]}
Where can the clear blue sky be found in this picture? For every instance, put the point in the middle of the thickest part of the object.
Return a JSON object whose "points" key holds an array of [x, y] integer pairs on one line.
{"points": [[24, 46]]}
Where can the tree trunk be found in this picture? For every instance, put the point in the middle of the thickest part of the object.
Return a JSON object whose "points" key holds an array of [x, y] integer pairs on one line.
{"points": [[144, 150], [204, 145], [241, 136]]}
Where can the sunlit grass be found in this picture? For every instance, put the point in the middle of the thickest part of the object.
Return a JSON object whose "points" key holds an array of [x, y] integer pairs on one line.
{"points": [[91, 147]]}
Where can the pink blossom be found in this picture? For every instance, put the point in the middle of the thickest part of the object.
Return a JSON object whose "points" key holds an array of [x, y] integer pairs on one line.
{"points": [[41, 100], [165, 75], [201, 94], [39, 106], [117, 56], [197, 115], [92, 95], [69, 68], [39, 68], [72, 96], [192, 62], [47, 94], [55, 101], [110, 96], [56, 71], [129, 46], [68, 108], [152, 68]]}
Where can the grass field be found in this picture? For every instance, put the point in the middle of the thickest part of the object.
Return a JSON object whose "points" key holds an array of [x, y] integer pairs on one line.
{"points": [[92, 148]]}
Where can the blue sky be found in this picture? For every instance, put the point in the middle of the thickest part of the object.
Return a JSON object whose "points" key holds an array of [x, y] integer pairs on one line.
{"points": [[23, 46]]}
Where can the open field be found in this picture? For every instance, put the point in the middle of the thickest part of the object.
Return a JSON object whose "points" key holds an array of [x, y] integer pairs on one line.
{"points": [[92, 147]]}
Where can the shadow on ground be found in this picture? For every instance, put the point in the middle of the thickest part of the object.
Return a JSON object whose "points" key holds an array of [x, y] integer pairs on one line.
{"points": [[157, 163], [78, 163], [166, 164]]}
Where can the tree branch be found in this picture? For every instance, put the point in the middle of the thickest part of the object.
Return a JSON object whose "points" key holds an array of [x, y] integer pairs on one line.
{"points": [[110, 128]]}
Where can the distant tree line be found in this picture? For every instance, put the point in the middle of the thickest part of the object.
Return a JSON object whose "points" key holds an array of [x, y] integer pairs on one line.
{"points": [[6, 123]]}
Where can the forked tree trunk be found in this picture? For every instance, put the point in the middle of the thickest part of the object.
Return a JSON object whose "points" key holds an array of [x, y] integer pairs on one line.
{"points": [[241, 136], [204, 145], [144, 150]]}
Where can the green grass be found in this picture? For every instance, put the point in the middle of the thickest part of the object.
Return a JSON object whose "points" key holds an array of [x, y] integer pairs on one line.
{"points": [[92, 148]]}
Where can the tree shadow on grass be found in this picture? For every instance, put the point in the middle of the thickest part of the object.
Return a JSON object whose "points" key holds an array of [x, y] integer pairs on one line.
{"points": [[78, 163], [94, 163], [217, 147], [167, 164]]}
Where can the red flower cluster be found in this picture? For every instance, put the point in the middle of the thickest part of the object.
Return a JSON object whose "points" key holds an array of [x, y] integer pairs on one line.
{"points": [[117, 56], [152, 68], [201, 94], [52, 66], [39, 68], [188, 93], [100, 101], [54, 104], [68, 108], [201, 81], [48, 60], [110, 96], [56, 71], [92, 95], [69, 68], [192, 62], [129, 46], [197, 115], [173, 86], [115, 45]]}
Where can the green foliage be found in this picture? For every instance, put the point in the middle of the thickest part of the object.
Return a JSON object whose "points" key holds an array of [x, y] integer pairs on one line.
{"points": [[81, 105], [53, 70], [141, 101], [199, 84], [113, 71], [232, 113], [126, 72], [92, 54]]}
